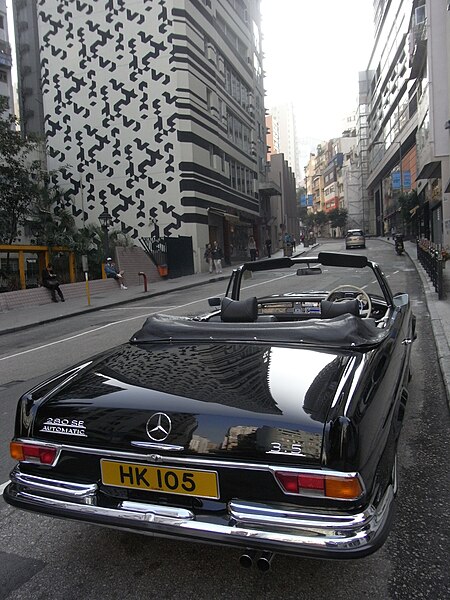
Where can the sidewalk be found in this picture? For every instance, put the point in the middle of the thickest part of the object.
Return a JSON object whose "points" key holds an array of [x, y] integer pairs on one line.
{"points": [[24, 318]]}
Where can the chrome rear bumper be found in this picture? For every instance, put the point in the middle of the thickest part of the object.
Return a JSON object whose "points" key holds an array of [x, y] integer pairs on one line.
{"points": [[277, 528]]}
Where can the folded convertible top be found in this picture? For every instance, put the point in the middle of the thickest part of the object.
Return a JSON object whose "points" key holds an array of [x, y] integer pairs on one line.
{"points": [[345, 331]]}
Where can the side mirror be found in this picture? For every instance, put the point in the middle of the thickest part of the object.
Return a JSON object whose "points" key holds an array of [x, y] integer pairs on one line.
{"points": [[401, 299], [214, 301]]}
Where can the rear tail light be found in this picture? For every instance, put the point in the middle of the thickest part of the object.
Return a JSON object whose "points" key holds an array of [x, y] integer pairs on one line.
{"points": [[326, 486], [44, 455]]}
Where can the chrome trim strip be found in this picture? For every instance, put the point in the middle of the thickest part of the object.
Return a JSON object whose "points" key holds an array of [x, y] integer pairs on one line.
{"points": [[269, 527], [155, 446], [190, 460], [264, 514], [77, 491], [160, 511]]}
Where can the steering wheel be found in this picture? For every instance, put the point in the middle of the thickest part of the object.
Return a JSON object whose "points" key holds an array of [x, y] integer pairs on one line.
{"points": [[365, 303]]}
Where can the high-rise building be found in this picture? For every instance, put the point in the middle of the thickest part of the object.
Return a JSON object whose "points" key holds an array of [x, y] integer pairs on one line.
{"points": [[284, 117], [153, 111], [6, 86], [407, 143]]}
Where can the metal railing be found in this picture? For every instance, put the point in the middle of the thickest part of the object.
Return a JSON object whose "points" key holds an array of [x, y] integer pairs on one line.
{"points": [[431, 258], [156, 248]]}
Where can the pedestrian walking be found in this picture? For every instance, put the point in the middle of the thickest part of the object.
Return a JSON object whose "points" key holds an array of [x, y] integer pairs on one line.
{"points": [[50, 281], [112, 272], [252, 248], [217, 256], [208, 257], [268, 244]]}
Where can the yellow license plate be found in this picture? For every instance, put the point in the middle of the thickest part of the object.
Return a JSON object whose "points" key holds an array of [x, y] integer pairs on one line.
{"points": [[136, 476]]}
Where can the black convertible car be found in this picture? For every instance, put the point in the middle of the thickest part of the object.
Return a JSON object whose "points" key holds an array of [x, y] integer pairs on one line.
{"points": [[270, 423]]}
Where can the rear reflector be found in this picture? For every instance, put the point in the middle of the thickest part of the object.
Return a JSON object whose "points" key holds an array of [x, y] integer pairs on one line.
{"points": [[326, 486], [33, 453]]}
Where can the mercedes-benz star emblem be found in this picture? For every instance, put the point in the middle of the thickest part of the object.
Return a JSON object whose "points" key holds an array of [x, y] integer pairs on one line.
{"points": [[158, 427]]}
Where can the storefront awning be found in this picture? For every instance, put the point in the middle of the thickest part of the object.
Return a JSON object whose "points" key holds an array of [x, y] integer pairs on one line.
{"points": [[431, 170]]}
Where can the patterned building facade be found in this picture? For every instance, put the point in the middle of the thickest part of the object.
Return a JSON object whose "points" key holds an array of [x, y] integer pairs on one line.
{"points": [[153, 110]]}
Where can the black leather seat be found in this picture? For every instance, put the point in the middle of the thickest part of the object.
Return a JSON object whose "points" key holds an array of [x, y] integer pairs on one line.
{"points": [[239, 311], [329, 309]]}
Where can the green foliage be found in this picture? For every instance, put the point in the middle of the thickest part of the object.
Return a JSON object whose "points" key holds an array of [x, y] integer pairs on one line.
{"points": [[309, 220], [338, 217], [20, 176], [302, 213], [407, 202], [50, 224], [320, 218]]}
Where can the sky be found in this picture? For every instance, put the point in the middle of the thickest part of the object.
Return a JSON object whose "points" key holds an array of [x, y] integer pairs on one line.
{"points": [[314, 50]]}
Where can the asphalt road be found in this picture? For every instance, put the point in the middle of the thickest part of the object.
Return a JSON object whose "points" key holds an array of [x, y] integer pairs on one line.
{"points": [[44, 558]]}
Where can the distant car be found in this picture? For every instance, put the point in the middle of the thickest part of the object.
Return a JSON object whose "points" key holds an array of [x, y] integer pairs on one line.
{"points": [[355, 238], [269, 424]]}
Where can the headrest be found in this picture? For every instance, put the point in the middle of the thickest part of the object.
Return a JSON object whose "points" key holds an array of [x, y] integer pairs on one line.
{"points": [[239, 311], [331, 309]]}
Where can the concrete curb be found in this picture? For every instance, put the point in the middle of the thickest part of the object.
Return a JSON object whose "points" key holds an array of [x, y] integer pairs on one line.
{"points": [[145, 295], [91, 309]]}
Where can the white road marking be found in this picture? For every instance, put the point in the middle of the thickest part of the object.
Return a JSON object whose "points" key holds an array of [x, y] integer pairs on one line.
{"points": [[78, 335], [247, 287], [2, 487]]}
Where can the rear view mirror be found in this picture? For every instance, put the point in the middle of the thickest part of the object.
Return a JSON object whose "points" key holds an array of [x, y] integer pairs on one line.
{"points": [[335, 259], [309, 271], [214, 301]]}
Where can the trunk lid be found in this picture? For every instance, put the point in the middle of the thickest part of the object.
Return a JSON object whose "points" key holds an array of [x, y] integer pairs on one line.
{"points": [[237, 401]]}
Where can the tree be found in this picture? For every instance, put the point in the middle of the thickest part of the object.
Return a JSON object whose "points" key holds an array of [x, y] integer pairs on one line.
{"points": [[320, 219], [20, 176], [408, 202], [338, 217], [49, 224]]}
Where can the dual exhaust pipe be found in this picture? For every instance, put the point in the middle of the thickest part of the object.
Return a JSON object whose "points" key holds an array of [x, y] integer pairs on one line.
{"points": [[251, 557]]}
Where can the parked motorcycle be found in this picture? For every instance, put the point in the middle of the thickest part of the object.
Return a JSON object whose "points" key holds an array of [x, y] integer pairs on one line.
{"points": [[398, 244]]}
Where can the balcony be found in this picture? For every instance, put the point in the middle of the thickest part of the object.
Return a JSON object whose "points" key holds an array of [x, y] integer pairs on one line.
{"points": [[269, 188]]}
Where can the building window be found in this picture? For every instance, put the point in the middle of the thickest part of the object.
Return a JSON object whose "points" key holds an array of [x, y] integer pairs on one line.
{"points": [[236, 87], [241, 178], [238, 133], [2, 22], [3, 76]]}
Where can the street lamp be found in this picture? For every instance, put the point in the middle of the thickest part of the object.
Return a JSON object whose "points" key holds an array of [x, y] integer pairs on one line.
{"points": [[105, 222]]}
